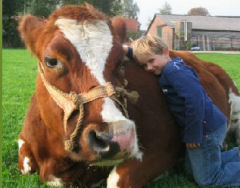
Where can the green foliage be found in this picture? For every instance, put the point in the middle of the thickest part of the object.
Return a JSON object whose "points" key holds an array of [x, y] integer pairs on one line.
{"points": [[109, 7], [43, 8], [9, 31], [188, 45], [10, 34], [133, 35], [129, 9], [11, 7], [198, 11], [166, 9], [71, 2], [18, 85], [116, 8], [103, 5]]}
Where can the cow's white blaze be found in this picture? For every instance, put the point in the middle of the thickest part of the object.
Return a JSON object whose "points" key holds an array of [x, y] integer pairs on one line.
{"points": [[94, 41], [110, 113], [113, 179], [26, 166]]}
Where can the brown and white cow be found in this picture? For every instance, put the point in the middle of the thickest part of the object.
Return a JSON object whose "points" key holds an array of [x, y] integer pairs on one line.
{"points": [[77, 120]]}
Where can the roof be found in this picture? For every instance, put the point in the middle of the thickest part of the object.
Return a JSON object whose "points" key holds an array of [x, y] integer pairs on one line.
{"points": [[132, 25], [223, 23]]}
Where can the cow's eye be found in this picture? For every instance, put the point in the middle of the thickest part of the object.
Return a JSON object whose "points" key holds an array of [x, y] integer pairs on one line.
{"points": [[51, 62]]}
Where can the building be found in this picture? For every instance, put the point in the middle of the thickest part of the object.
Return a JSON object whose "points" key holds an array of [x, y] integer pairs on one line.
{"points": [[132, 27], [207, 32]]}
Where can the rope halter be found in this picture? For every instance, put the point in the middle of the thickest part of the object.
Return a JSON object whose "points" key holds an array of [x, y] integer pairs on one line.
{"points": [[72, 101]]}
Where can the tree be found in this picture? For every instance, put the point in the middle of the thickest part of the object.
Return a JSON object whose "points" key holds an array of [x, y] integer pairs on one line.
{"points": [[43, 7], [198, 11], [11, 8], [68, 2], [129, 9], [116, 8], [9, 31], [166, 9], [109, 7], [103, 5]]}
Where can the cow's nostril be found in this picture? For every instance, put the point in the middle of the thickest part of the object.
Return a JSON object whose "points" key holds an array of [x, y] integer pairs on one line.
{"points": [[99, 141], [102, 144]]}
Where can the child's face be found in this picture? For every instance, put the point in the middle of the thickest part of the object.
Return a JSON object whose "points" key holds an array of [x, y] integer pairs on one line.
{"points": [[155, 63]]}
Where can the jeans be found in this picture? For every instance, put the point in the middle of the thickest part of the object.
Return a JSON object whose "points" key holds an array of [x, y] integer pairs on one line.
{"points": [[210, 166]]}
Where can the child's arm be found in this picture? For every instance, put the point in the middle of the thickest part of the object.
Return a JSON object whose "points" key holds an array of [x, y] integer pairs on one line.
{"points": [[188, 88]]}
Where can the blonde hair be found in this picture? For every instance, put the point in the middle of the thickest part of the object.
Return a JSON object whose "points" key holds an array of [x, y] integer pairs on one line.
{"points": [[147, 45]]}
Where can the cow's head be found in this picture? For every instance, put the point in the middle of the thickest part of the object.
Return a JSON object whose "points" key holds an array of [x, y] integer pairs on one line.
{"points": [[78, 51]]}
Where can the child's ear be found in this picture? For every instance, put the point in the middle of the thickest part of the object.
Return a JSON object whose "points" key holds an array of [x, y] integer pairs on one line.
{"points": [[29, 29]]}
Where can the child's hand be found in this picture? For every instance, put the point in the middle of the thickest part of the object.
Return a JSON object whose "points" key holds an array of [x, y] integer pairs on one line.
{"points": [[125, 48], [192, 146]]}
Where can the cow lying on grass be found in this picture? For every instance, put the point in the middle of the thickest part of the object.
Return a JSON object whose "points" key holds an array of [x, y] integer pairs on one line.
{"points": [[82, 115]]}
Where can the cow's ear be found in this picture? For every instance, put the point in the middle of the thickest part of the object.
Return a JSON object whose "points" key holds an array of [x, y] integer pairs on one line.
{"points": [[29, 29], [119, 27]]}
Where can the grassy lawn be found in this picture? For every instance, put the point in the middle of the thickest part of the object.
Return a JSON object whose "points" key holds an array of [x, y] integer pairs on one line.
{"points": [[229, 62], [19, 75], [19, 72]]}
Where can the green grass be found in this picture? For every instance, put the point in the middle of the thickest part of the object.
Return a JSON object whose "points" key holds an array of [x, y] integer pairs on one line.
{"points": [[19, 72], [229, 62], [19, 76]]}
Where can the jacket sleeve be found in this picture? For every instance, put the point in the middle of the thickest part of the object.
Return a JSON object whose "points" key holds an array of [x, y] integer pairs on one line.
{"points": [[187, 86], [130, 53]]}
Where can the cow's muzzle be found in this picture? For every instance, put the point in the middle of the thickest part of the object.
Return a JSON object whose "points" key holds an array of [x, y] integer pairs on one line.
{"points": [[119, 142]]}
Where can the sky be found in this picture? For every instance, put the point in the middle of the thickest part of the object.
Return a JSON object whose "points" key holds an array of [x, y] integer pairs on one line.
{"points": [[215, 7]]}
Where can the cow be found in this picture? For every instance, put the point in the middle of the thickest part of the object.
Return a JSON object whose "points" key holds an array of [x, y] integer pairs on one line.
{"points": [[93, 115]]}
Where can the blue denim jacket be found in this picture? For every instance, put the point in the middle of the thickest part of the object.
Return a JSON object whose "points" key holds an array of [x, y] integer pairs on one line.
{"points": [[187, 100]]}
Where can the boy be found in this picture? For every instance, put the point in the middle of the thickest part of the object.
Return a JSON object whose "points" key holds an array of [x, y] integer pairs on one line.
{"points": [[203, 124]]}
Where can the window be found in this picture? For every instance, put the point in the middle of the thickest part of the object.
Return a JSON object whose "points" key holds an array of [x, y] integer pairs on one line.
{"points": [[159, 31]]}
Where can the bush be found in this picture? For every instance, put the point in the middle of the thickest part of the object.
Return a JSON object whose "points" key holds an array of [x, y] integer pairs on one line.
{"points": [[188, 45], [226, 49], [133, 35], [10, 35]]}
